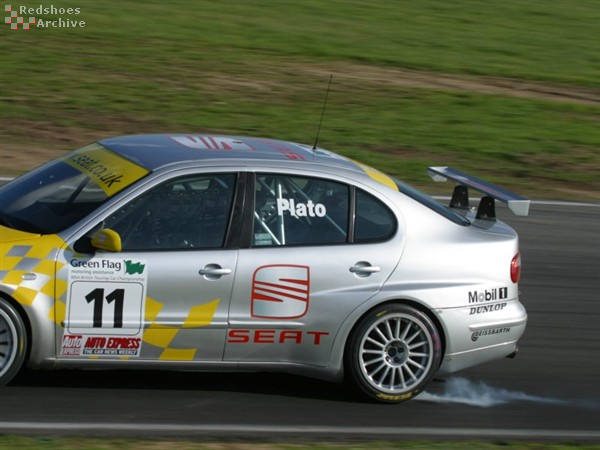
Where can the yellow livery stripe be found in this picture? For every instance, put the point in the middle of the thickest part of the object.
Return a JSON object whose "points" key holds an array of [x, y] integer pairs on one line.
{"points": [[174, 354], [377, 175], [201, 315]]}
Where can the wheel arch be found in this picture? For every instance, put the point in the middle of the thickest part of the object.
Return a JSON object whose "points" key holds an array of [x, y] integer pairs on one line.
{"points": [[26, 321], [403, 301]]}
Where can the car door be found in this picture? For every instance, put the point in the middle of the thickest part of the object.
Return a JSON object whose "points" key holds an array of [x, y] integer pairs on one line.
{"points": [[319, 249], [165, 296]]}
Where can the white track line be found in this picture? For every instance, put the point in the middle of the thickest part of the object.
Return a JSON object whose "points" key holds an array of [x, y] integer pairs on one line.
{"points": [[316, 431]]}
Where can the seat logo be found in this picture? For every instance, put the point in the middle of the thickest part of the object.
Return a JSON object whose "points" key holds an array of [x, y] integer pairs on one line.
{"points": [[280, 292]]}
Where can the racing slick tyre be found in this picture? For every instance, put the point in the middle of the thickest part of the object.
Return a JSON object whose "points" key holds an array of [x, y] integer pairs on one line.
{"points": [[13, 342], [393, 353]]}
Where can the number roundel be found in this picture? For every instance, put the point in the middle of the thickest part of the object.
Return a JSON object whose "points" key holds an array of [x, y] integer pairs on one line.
{"points": [[105, 307]]}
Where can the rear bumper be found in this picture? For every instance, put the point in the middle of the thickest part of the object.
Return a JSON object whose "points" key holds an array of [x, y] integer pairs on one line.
{"points": [[459, 361], [473, 339]]}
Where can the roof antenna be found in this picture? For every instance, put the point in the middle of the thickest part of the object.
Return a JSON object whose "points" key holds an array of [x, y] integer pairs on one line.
{"points": [[323, 112]]}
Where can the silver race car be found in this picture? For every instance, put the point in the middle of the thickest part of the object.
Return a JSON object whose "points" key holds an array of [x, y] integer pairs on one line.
{"points": [[208, 252]]}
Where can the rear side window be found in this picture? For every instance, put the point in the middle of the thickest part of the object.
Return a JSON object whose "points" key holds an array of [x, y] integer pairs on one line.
{"points": [[374, 221]]}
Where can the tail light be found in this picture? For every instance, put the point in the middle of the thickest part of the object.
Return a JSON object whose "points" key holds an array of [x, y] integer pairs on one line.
{"points": [[515, 268]]}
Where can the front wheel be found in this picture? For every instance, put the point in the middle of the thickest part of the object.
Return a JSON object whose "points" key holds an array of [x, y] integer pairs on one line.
{"points": [[393, 353], [13, 342]]}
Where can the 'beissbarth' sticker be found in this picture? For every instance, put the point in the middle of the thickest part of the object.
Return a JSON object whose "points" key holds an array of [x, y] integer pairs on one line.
{"points": [[105, 307]]}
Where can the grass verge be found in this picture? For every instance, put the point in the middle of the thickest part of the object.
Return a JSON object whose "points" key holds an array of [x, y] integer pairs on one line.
{"points": [[508, 91]]}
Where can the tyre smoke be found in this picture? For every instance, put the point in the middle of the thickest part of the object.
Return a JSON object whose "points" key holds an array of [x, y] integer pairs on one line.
{"points": [[477, 393]]}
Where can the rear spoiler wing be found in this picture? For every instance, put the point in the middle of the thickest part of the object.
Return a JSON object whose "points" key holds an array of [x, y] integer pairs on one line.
{"points": [[486, 210]]}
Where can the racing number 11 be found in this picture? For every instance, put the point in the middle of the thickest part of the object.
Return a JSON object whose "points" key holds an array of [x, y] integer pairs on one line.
{"points": [[97, 297]]}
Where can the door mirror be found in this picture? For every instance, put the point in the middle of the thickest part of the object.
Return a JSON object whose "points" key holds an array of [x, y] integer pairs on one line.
{"points": [[108, 240]]}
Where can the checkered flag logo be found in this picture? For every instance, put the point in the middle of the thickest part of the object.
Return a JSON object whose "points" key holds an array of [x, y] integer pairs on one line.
{"points": [[14, 20]]}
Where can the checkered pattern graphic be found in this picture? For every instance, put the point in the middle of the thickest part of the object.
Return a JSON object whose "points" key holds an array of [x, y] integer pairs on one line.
{"points": [[14, 20], [170, 343], [45, 290]]}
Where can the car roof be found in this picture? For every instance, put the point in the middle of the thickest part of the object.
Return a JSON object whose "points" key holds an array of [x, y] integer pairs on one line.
{"points": [[154, 151], [157, 150]]}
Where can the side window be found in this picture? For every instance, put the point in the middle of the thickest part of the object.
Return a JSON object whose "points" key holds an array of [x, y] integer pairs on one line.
{"points": [[191, 212], [292, 210], [374, 222]]}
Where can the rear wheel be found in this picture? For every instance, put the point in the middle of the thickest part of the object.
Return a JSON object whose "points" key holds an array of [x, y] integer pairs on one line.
{"points": [[13, 342], [393, 353]]}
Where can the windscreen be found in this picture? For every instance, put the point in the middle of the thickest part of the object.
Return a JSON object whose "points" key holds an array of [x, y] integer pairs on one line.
{"points": [[58, 194]]}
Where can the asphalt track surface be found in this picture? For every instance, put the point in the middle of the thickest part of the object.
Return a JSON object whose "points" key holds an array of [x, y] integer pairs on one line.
{"points": [[549, 391]]}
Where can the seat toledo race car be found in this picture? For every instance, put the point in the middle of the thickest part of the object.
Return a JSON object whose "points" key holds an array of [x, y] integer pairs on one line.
{"points": [[222, 253]]}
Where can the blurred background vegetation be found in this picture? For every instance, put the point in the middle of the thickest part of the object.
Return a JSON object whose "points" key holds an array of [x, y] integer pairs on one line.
{"points": [[508, 90]]}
